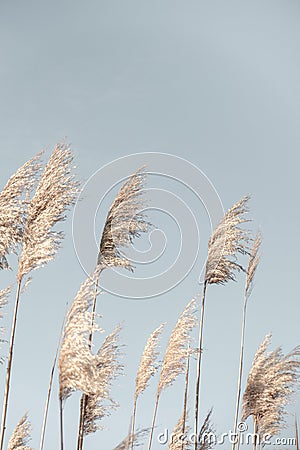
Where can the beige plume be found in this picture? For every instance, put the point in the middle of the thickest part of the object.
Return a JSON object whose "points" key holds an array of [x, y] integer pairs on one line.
{"points": [[13, 202], [77, 365], [226, 242], [176, 353], [271, 382], [108, 367], [55, 192], [125, 221], [148, 365], [20, 436]]}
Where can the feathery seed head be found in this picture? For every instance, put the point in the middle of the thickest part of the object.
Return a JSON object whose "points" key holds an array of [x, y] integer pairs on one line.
{"points": [[56, 191], [13, 203], [124, 222], [77, 365], [108, 368], [226, 242], [176, 353], [20, 436], [271, 382], [148, 365], [207, 434], [253, 264], [137, 439], [178, 441]]}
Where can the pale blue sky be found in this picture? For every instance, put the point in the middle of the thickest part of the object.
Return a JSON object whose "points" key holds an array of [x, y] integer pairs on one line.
{"points": [[214, 82]]}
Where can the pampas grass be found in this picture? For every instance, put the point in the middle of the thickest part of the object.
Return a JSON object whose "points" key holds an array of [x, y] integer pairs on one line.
{"points": [[137, 439], [179, 440], [174, 362], [227, 241], [55, 191], [21, 436], [147, 369], [27, 228], [100, 404], [13, 204], [125, 221], [272, 381], [207, 434], [77, 365], [251, 270]]}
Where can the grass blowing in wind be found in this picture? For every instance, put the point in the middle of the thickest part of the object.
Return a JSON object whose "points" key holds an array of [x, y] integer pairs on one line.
{"points": [[147, 369], [272, 380], [21, 436], [253, 263], [174, 363], [124, 222], [55, 192], [226, 242], [32, 204]]}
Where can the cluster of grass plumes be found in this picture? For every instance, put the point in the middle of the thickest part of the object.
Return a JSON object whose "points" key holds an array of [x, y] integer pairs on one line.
{"points": [[56, 191], [272, 380], [32, 204]]}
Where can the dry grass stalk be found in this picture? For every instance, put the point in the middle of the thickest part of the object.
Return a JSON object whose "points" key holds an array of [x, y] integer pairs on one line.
{"points": [[185, 398], [147, 369], [13, 202], [47, 403], [179, 439], [174, 362], [296, 433], [137, 438], [226, 242], [271, 382], [207, 434], [100, 404], [20, 436], [148, 365], [253, 264], [77, 365], [124, 222], [4, 293], [56, 191], [251, 270]]}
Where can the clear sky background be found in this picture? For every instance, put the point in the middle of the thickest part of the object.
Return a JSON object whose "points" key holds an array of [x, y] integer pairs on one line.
{"points": [[214, 82]]}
